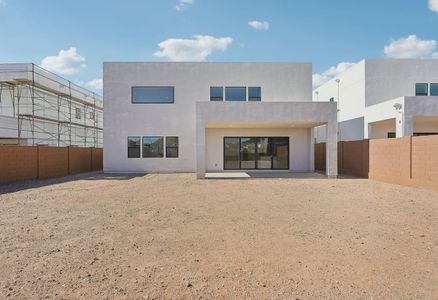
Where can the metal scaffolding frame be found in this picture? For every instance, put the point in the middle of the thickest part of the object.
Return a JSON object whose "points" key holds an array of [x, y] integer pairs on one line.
{"points": [[49, 109]]}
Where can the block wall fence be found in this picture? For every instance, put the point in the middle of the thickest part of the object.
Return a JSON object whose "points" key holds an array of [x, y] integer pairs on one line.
{"points": [[18, 163], [409, 161]]}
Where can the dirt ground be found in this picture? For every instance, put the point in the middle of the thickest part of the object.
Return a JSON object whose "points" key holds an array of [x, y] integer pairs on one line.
{"points": [[172, 236]]}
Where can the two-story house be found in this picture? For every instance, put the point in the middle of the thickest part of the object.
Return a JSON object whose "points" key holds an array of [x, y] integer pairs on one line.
{"points": [[200, 117]]}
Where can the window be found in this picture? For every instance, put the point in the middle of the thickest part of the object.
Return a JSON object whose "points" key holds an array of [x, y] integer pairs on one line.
{"points": [[235, 93], [92, 115], [163, 94], [216, 93], [133, 146], [255, 94], [78, 113], [153, 146], [421, 89], [172, 146], [434, 89]]}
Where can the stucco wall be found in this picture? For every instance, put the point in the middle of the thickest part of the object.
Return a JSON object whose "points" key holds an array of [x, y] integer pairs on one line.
{"points": [[192, 81], [299, 145]]}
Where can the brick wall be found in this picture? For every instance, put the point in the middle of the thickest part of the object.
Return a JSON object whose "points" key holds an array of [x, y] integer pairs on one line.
{"points": [[425, 160], [53, 162], [390, 160], [96, 159], [320, 157], [18, 163], [79, 160]]}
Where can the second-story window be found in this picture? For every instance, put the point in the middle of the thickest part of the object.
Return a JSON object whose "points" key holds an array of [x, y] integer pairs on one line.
{"points": [[434, 89], [78, 113], [216, 93], [152, 94], [421, 89], [235, 93], [255, 93]]}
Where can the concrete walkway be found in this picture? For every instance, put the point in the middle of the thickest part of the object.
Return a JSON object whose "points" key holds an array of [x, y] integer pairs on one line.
{"points": [[264, 175]]}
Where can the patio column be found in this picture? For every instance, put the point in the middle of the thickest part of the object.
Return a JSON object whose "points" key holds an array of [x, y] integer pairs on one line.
{"points": [[200, 149], [332, 150]]}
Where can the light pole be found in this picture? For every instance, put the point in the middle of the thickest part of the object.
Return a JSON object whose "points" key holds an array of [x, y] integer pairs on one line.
{"points": [[317, 95]]}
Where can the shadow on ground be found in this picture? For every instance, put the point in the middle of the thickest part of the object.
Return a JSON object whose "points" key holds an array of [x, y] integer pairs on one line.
{"points": [[30, 184]]}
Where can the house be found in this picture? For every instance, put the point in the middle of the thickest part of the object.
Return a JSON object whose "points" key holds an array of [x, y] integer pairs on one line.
{"points": [[384, 98], [38, 107], [205, 116]]}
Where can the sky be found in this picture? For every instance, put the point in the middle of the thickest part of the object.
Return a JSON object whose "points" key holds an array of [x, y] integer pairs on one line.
{"points": [[73, 38]]}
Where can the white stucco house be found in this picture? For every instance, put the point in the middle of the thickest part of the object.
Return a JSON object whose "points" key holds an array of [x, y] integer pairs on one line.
{"points": [[205, 116], [383, 98]]}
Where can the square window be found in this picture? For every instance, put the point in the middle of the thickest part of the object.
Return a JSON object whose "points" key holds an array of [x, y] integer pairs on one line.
{"points": [[133, 146], [421, 89], [255, 93], [235, 93], [172, 146], [216, 93], [153, 146]]}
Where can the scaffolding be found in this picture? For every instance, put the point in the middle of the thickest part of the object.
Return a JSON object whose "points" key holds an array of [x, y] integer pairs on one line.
{"points": [[48, 109]]}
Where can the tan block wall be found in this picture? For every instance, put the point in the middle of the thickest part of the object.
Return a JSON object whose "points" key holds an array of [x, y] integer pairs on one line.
{"points": [[353, 158], [53, 162], [390, 160], [96, 159], [18, 163], [79, 160], [320, 158], [425, 160]]}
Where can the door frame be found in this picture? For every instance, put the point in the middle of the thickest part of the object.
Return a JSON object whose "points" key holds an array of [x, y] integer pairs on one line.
{"points": [[256, 154]]}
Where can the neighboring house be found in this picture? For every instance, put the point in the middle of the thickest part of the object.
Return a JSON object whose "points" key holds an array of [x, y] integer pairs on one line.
{"points": [[384, 98], [186, 117], [38, 107]]}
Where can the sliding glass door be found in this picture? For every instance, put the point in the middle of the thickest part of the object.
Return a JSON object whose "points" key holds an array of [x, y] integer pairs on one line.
{"points": [[263, 153]]}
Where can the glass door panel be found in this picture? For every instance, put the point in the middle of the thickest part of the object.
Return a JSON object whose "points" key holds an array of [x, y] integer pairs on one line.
{"points": [[231, 153], [264, 153], [247, 153], [280, 147]]}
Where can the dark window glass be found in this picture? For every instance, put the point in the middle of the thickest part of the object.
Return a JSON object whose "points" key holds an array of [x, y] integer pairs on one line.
{"points": [[434, 89], [235, 93], [147, 94], [153, 146], [78, 113], [255, 93], [172, 146], [231, 153], [280, 151], [248, 153], [391, 135], [421, 89], [216, 93], [133, 146]]}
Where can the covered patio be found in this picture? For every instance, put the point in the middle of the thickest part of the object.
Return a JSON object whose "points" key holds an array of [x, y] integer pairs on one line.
{"points": [[273, 137]]}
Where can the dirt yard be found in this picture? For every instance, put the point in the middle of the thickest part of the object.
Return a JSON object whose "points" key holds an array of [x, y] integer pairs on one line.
{"points": [[172, 236]]}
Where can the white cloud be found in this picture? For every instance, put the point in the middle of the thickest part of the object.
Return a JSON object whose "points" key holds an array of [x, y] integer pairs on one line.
{"points": [[411, 47], [96, 84], [196, 49], [433, 5], [320, 79], [258, 25], [67, 62], [183, 4]]}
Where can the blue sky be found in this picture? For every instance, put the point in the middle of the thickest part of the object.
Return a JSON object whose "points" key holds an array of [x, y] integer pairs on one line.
{"points": [[323, 32]]}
